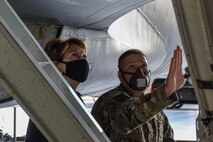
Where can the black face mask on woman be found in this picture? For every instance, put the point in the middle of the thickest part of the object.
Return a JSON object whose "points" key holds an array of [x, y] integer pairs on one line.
{"points": [[77, 70], [138, 80]]}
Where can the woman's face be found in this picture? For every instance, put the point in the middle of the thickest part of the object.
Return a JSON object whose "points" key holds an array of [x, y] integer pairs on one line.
{"points": [[74, 52]]}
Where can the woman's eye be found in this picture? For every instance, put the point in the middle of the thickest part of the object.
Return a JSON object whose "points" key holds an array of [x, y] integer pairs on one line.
{"points": [[75, 55]]}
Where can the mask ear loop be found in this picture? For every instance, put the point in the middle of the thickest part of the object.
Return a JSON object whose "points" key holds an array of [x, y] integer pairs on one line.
{"points": [[122, 73], [149, 77], [60, 61], [147, 73]]}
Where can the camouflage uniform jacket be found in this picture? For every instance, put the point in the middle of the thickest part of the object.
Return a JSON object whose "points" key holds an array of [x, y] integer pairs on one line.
{"points": [[126, 119]]}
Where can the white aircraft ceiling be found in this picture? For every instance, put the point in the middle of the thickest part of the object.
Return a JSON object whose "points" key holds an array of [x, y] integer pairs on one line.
{"points": [[94, 14]]}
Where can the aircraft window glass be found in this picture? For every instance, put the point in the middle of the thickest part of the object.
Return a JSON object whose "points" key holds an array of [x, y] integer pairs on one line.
{"points": [[183, 121], [178, 118], [7, 121]]}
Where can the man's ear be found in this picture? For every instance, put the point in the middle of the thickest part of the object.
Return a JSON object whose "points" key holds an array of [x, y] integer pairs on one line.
{"points": [[120, 75]]}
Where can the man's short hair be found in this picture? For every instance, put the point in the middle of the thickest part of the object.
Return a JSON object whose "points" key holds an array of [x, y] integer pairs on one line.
{"points": [[127, 53]]}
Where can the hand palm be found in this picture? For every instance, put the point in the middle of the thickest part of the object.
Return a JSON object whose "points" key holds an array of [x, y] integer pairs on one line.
{"points": [[175, 79]]}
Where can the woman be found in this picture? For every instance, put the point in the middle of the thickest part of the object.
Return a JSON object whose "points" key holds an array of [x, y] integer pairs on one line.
{"points": [[70, 58]]}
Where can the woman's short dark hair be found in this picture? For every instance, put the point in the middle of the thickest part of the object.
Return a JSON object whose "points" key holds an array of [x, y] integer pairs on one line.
{"points": [[76, 41], [54, 49]]}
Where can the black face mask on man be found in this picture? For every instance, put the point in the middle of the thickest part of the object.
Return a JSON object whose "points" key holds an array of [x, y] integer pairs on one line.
{"points": [[77, 70], [139, 80]]}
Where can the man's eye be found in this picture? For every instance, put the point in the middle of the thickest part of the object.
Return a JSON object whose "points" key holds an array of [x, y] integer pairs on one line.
{"points": [[132, 67], [144, 67], [147, 71]]}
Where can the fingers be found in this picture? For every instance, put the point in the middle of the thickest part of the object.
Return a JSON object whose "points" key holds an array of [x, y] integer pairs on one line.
{"points": [[172, 66], [174, 61], [174, 78], [178, 58]]}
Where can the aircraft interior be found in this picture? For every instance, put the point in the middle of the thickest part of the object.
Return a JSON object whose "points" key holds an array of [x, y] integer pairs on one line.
{"points": [[109, 28]]}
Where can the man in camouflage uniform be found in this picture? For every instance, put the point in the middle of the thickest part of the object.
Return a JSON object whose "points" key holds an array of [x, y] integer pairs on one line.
{"points": [[126, 114]]}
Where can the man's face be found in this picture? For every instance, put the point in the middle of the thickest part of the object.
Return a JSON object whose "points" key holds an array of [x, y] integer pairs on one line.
{"points": [[131, 64]]}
